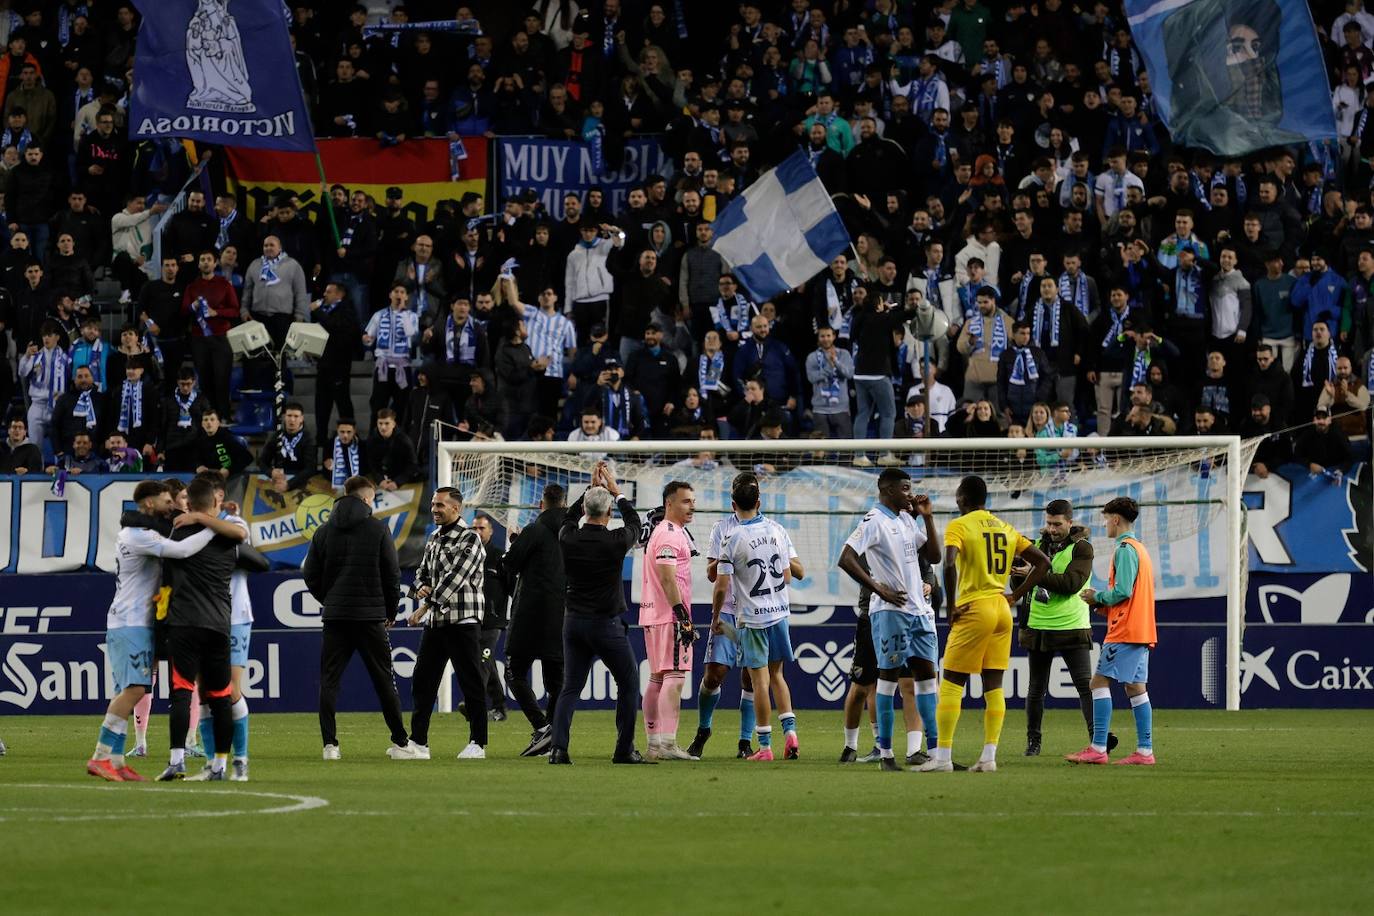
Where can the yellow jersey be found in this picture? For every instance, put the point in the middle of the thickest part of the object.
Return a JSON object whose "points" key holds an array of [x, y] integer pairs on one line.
{"points": [[986, 547]]}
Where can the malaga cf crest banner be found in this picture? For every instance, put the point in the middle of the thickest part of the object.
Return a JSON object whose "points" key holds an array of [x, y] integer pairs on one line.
{"points": [[218, 71], [1234, 76]]}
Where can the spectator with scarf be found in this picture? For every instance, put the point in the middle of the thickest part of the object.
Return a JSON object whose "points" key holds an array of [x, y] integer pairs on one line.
{"points": [[274, 290], [985, 335], [45, 370], [333, 368], [79, 409], [460, 346], [217, 449], [1024, 375], [346, 458], [1060, 331], [131, 344], [89, 350], [393, 333], [289, 455], [927, 93], [351, 265], [1188, 308], [181, 414], [134, 404], [212, 308], [1316, 367]]}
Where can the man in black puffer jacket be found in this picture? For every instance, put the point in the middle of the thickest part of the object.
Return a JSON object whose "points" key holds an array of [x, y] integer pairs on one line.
{"points": [[353, 571]]}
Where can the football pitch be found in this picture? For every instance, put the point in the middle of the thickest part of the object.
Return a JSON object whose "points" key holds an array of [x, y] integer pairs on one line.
{"points": [[1258, 811]]}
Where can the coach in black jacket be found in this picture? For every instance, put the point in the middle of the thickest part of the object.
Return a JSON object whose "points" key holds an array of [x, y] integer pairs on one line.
{"points": [[352, 570], [534, 561], [593, 556]]}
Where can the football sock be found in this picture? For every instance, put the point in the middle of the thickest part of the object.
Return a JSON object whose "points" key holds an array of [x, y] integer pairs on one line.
{"points": [[241, 729], [994, 714], [947, 712], [706, 705], [207, 731], [765, 736], [851, 738], [913, 742], [746, 715], [217, 762], [1102, 717], [195, 719], [651, 694], [883, 701], [1144, 724], [178, 755], [927, 693], [142, 710], [670, 705], [789, 722], [111, 741]]}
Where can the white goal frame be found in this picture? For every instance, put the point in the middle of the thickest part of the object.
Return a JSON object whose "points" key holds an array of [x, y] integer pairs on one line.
{"points": [[1231, 445]]}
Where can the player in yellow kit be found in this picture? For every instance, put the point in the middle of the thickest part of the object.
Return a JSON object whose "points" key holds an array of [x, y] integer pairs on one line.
{"points": [[979, 548]]}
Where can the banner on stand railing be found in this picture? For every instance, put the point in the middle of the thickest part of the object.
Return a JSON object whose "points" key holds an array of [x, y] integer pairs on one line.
{"points": [[552, 168]]}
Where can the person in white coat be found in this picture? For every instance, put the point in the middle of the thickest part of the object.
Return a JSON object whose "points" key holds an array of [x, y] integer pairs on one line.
{"points": [[587, 278]]}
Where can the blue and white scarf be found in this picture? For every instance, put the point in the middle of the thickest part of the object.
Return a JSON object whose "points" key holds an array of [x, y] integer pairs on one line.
{"points": [[941, 151], [1024, 368], [1117, 328], [460, 346], [52, 368], [85, 407], [66, 15], [130, 406], [289, 444], [829, 388], [1188, 293], [999, 334], [734, 316], [1199, 191], [998, 68], [20, 140], [343, 470], [1307, 364], [392, 339], [354, 222], [1140, 366], [710, 370], [1024, 291], [421, 294], [268, 275], [1038, 322], [222, 239], [933, 288], [924, 93], [184, 407], [1075, 292], [150, 341], [201, 309]]}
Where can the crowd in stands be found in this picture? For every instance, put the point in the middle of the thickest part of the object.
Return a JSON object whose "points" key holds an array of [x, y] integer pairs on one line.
{"points": [[1032, 255]]}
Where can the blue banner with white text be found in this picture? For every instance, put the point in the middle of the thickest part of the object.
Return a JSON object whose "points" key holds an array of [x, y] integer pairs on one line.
{"points": [[552, 168]]}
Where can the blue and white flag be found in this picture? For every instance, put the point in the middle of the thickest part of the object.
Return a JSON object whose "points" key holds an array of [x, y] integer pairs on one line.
{"points": [[1234, 76], [782, 231], [219, 71]]}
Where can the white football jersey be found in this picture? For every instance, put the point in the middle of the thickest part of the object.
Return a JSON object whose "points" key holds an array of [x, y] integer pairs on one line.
{"points": [[240, 608], [892, 545], [720, 533], [138, 572], [756, 557]]}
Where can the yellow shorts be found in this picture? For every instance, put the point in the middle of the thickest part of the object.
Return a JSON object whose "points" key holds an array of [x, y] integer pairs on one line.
{"points": [[981, 638]]}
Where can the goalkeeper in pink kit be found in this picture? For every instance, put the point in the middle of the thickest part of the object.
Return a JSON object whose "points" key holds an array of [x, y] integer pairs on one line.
{"points": [[665, 614]]}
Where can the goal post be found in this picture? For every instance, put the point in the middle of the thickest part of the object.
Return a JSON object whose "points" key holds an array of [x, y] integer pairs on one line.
{"points": [[1189, 488]]}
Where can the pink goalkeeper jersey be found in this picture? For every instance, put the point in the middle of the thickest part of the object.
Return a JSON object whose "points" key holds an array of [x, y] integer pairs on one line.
{"points": [[668, 546]]}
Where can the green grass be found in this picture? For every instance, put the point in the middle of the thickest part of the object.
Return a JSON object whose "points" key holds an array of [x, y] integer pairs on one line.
{"points": [[1247, 813]]}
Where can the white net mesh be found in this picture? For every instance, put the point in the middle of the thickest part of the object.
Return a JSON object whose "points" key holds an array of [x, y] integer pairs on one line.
{"points": [[820, 493]]}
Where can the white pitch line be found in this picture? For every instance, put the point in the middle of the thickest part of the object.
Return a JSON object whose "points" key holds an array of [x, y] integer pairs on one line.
{"points": [[298, 803], [859, 815]]}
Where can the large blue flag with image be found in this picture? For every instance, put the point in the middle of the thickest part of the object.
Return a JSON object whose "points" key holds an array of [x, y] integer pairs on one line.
{"points": [[1234, 76], [782, 231], [218, 71]]}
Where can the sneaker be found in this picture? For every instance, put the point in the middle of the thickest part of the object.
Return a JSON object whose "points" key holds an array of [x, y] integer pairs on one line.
{"points": [[239, 772], [936, 766], [2, 748], [1032, 747], [916, 759], [125, 297], [205, 775], [673, 752], [1112, 742], [331, 752], [127, 774], [498, 714], [791, 749], [889, 460], [540, 740], [634, 757], [216, 776], [959, 768], [140, 750], [173, 772], [746, 750], [397, 752], [421, 750], [873, 756], [984, 766], [764, 753], [194, 750], [888, 765], [849, 755], [1136, 759], [1087, 755], [473, 751], [863, 461], [699, 742], [103, 769]]}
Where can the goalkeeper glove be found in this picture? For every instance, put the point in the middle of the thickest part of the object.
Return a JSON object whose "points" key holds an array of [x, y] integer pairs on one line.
{"points": [[686, 635]]}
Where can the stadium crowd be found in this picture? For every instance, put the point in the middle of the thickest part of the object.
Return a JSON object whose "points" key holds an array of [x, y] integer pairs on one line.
{"points": [[1032, 256]]}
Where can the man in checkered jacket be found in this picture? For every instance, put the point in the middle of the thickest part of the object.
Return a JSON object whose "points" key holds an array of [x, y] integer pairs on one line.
{"points": [[448, 586]]}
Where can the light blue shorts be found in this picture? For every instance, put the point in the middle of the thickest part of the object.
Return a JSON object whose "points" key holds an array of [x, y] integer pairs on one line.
{"points": [[130, 650], [239, 636], [898, 637], [758, 648], [1125, 662], [722, 650]]}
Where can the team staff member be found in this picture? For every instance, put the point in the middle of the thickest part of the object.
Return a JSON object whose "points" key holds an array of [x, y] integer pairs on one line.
{"points": [[593, 556], [979, 548], [494, 618], [535, 562], [449, 581], [1058, 622], [352, 570]]}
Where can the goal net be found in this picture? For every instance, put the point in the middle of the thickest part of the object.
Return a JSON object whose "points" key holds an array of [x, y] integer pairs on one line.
{"points": [[1188, 489]]}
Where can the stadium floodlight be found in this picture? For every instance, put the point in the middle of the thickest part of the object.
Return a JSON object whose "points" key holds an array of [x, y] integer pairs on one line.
{"points": [[1189, 489], [249, 340], [306, 340]]}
